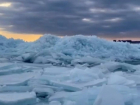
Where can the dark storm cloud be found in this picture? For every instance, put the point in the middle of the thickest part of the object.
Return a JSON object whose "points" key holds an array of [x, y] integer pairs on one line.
{"points": [[69, 17]]}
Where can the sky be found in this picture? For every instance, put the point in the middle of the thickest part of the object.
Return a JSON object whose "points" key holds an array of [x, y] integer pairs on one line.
{"points": [[110, 19]]}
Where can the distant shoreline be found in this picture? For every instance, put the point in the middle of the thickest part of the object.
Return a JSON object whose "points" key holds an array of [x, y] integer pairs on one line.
{"points": [[129, 41]]}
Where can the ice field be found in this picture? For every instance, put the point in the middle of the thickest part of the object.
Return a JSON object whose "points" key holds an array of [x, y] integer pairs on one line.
{"points": [[76, 70]]}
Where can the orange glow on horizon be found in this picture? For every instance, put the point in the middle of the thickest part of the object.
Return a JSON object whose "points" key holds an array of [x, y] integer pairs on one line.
{"points": [[34, 37], [25, 37]]}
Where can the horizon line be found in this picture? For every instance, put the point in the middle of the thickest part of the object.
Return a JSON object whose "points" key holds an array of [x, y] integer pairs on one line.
{"points": [[34, 37]]}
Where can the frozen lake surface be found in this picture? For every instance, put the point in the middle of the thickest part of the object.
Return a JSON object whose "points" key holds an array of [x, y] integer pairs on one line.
{"points": [[76, 70], [110, 83]]}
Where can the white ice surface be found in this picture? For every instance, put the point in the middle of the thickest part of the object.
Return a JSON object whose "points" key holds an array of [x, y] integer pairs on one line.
{"points": [[17, 79], [15, 89], [68, 50], [55, 103], [116, 79], [69, 85], [88, 63], [17, 98], [109, 96]]}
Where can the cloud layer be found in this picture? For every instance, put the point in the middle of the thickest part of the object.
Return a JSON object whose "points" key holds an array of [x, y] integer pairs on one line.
{"points": [[106, 18]]}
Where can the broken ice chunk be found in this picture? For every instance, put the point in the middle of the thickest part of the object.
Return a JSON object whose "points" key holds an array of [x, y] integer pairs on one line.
{"points": [[15, 89], [16, 79], [65, 86], [109, 96], [116, 79], [59, 96], [98, 82], [6, 66], [17, 98]]}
